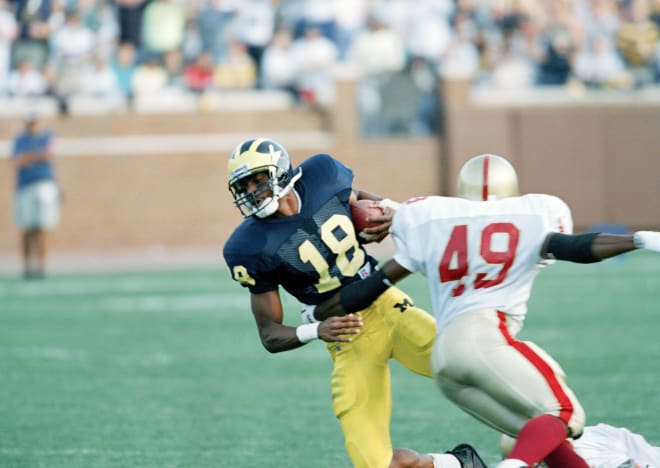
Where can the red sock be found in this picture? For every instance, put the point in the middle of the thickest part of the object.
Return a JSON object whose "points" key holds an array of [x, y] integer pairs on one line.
{"points": [[565, 457], [538, 438]]}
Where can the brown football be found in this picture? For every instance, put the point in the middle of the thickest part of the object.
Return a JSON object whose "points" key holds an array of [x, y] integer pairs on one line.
{"points": [[361, 210]]}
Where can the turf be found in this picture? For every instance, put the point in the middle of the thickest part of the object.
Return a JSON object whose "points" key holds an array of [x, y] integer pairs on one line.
{"points": [[165, 369]]}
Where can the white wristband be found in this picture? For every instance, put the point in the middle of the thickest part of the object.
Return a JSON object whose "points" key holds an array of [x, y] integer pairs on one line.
{"points": [[308, 332], [387, 203], [649, 240]]}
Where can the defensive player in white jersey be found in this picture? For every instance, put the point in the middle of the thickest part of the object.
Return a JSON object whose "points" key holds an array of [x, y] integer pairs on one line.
{"points": [[480, 259], [605, 446]]}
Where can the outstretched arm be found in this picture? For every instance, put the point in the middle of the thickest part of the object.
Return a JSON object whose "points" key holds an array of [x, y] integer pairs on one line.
{"points": [[594, 247], [360, 294], [277, 337]]}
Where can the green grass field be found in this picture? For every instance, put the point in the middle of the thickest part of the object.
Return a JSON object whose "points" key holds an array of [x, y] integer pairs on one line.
{"points": [[165, 369]]}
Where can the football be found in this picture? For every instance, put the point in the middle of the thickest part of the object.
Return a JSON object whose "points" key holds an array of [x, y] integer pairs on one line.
{"points": [[360, 211]]}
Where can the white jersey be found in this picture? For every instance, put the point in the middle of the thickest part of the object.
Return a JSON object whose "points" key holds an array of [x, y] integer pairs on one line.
{"points": [[477, 254], [604, 446]]}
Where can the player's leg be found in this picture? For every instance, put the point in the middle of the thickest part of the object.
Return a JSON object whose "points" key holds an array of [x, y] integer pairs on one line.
{"points": [[40, 246], [413, 330], [361, 393], [25, 213], [25, 253], [48, 214], [505, 382]]}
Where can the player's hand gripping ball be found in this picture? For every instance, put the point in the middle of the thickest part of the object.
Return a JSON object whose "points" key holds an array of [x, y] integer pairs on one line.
{"points": [[361, 211]]}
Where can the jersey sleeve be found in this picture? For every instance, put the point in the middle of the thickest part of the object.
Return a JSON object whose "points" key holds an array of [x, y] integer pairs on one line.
{"points": [[405, 254], [335, 176], [246, 267], [559, 215]]}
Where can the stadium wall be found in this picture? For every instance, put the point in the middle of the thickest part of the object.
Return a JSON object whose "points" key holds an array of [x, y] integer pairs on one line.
{"points": [[145, 180], [137, 181], [600, 152]]}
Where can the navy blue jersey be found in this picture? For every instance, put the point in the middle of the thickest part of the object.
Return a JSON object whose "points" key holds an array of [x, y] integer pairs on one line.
{"points": [[310, 254]]}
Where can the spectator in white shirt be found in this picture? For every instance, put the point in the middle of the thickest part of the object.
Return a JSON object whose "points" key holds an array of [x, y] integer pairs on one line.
{"points": [[598, 64], [99, 80], [315, 57], [8, 32], [278, 65], [26, 81]]}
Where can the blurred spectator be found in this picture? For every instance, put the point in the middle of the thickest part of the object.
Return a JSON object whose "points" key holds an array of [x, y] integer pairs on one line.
{"points": [[34, 31], [72, 47], [350, 18], [8, 32], [129, 14], [561, 38], [376, 53], [124, 68], [598, 64], [192, 44], [37, 195], [174, 65], [315, 57], [500, 43], [163, 25], [100, 18], [426, 117], [199, 74], [655, 12], [254, 26], [237, 70], [599, 17], [319, 14], [214, 20], [461, 60], [514, 69], [99, 80], [429, 34], [637, 40], [26, 81], [150, 77], [377, 49], [278, 66]]}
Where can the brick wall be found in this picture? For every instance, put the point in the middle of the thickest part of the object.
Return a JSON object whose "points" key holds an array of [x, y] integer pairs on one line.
{"points": [[129, 182]]}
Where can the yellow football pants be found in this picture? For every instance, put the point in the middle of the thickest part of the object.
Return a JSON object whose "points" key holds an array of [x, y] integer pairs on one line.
{"points": [[361, 391]]}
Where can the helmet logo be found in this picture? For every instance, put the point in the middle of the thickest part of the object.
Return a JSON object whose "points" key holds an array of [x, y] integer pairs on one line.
{"points": [[240, 171]]}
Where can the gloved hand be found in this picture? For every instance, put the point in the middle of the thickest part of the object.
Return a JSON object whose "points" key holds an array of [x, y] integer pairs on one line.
{"points": [[649, 240]]}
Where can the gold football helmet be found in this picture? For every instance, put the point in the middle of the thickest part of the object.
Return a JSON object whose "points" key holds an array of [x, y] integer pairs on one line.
{"points": [[254, 156], [487, 177]]}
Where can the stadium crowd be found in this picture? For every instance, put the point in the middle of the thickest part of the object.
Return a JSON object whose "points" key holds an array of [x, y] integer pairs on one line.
{"points": [[123, 49]]}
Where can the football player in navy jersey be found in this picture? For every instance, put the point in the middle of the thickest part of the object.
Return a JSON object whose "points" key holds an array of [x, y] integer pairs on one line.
{"points": [[298, 234]]}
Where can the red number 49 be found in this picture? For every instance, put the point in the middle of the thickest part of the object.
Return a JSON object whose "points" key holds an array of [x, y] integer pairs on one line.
{"points": [[457, 250]]}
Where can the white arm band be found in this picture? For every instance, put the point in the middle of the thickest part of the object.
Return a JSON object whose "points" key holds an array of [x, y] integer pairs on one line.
{"points": [[387, 203], [649, 240], [308, 332]]}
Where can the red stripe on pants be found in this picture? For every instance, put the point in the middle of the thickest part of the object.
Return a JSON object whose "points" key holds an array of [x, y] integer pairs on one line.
{"points": [[546, 371]]}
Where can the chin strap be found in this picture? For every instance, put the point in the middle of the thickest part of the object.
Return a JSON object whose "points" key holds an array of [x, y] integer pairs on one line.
{"points": [[270, 205]]}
